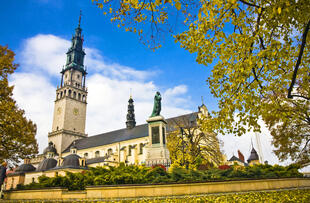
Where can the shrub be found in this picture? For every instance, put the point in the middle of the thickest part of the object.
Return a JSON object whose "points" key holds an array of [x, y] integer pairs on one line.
{"points": [[141, 175]]}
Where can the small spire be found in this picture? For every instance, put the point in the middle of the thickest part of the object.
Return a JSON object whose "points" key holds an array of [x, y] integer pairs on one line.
{"points": [[130, 93], [131, 122], [201, 100], [80, 18]]}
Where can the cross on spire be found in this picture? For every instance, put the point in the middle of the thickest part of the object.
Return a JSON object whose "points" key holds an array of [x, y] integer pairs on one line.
{"points": [[80, 18]]}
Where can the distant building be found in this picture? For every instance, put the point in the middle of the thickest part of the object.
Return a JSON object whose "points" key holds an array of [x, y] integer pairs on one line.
{"points": [[252, 160]]}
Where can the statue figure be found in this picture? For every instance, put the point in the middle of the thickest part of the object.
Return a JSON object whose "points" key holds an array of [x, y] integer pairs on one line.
{"points": [[157, 105]]}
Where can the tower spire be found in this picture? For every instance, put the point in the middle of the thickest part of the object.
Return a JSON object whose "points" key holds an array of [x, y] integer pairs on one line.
{"points": [[80, 18], [131, 122], [75, 54]]}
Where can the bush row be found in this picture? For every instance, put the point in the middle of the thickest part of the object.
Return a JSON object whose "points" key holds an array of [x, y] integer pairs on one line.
{"points": [[145, 175]]}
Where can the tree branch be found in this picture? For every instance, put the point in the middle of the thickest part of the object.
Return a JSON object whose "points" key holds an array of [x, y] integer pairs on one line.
{"points": [[250, 4], [301, 51]]}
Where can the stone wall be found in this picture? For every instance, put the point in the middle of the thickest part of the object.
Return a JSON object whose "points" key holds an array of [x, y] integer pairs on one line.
{"points": [[103, 192]]}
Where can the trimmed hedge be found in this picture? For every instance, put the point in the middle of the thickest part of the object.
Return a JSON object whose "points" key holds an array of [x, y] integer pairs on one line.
{"points": [[144, 175]]}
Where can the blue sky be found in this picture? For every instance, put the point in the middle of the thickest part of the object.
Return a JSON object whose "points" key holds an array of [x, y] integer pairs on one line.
{"points": [[174, 65], [39, 32]]}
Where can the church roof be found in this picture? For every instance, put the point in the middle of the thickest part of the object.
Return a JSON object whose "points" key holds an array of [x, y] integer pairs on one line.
{"points": [[234, 158], [111, 137], [124, 134], [96, 160], [253, 156], [47, 164]]}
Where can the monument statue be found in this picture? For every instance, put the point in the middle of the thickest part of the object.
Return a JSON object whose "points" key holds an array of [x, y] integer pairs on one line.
{"points": [[157, 105]]}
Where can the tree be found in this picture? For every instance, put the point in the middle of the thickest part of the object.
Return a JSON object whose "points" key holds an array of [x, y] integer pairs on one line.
{"points": [[17, 134], [261, 54], [191, 143]]}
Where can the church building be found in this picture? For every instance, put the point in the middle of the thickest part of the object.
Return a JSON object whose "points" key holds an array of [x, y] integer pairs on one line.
{"points": [[71, 149]]}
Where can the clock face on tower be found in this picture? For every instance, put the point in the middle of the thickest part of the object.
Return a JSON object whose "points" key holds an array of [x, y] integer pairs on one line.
{"points": [[76, 111]]}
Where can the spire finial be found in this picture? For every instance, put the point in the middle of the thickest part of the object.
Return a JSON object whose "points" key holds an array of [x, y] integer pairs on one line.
{"points": [[130, 93], [201, 99], [80, 18]]}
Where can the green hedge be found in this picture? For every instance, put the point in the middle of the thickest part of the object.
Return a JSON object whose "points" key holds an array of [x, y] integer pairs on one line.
{"points": [[144, 175]]}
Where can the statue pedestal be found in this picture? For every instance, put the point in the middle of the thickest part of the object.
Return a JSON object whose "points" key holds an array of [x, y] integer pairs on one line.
{"points": [[156, 150]]}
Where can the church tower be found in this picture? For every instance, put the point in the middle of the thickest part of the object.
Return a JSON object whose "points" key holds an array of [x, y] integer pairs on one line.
{"points": [[71, 96]]}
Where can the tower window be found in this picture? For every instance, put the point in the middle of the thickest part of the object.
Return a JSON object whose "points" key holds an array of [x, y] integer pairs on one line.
{"points": [[79, 97], [74, 95], [60, 94], [78, 76], [69, 93]]}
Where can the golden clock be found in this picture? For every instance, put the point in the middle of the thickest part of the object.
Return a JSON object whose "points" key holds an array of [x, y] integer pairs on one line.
{"points": [[76, 111], [58, 110]]}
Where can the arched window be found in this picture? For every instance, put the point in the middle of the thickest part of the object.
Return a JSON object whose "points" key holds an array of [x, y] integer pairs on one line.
{"points": [[83, 98], [74, 95], [65, 92], [86, 155], [60, 94], [69, 93], [79, 97], [110, 151], [97, 154]]}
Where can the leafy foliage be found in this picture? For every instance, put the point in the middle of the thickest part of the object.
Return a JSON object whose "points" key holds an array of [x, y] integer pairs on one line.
{"points": [[143, 175], [192, 144], [261, 54], [17, 133]]}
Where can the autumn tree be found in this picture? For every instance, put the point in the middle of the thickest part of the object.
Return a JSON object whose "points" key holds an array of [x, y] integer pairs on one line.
{"points": [[260, 49], [191, 143], [17, 133]]}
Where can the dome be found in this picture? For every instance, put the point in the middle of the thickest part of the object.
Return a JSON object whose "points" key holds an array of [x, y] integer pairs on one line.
{"points": [[25, 168], [72, 160], [47, 164], [253, 156], [50, 148]]}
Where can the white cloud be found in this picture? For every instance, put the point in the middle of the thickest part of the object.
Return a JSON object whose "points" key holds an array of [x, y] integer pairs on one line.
{"points": [[108, 84], [35, 94], [44, 53]]}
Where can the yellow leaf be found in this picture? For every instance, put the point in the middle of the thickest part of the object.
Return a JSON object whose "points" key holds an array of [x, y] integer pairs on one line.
{"points": [[178, 5], [279, 10]]}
